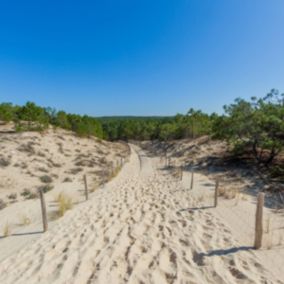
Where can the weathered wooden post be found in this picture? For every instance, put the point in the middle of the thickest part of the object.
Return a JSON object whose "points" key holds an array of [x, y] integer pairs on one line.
{"points": [[43, 210], [216, 193], [192, 179], [259, 221], [86, 187], [166, 158]]}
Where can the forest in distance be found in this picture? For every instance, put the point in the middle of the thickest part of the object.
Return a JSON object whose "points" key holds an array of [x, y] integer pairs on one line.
{"points": [[255, 125]]}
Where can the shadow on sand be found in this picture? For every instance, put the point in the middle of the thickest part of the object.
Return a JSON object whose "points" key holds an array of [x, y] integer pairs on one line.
{"points": [[198, 258], [195, 208], [221, 252], [23, 234]]}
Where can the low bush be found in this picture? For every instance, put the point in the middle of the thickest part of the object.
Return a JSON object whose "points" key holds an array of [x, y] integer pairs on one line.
{"points": [[28, 194], [46, 188], [67, 179], [46, 179], [12, 196], [25, 192]]}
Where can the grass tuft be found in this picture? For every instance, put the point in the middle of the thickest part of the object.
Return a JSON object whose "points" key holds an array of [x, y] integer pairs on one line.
{"points": [[25, 220], [64, 203], [6, 230], [114, 173]]}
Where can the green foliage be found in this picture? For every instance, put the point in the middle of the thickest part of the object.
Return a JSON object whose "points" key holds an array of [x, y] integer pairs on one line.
{"points": [[257, 124], [131, 128], [61, 120], [194, 124], [46, 179], [31, 117], [168, 131], [88, 126], [7, 112]]}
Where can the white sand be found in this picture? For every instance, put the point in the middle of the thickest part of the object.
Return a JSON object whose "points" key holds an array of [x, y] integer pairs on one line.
{"points": [[139, 228], [58, 154]]}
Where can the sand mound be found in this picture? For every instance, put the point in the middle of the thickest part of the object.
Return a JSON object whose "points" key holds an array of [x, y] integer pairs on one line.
{"points": [[54, 161], [31, 160]]}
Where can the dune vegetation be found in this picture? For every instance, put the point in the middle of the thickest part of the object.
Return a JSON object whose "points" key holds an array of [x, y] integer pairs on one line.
{"points": [[253, 127]]}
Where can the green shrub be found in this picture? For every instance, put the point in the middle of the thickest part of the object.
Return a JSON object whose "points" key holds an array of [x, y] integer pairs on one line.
{"points": [[12, 196], [46, 188], [46, 179], [28, 194]]}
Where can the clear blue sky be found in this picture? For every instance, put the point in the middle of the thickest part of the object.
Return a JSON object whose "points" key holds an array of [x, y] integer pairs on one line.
{"points": [[140, 57]]}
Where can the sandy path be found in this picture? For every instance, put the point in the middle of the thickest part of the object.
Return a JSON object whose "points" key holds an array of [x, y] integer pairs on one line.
{"points": [[137, 229]]}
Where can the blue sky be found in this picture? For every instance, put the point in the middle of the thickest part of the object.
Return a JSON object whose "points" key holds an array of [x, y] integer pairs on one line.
{"points": [[144, 57]]}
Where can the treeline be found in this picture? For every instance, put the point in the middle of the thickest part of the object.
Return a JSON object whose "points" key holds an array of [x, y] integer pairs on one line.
{"points": [[255, 125], [193, 124], [31, 117]]}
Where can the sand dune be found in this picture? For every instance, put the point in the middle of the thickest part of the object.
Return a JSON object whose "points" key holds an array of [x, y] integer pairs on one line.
{"points": [[142, 227], [55, 161], [29, 160]]}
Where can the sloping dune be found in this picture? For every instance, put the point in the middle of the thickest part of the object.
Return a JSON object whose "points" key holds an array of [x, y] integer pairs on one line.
{"points": [[29, 160]]}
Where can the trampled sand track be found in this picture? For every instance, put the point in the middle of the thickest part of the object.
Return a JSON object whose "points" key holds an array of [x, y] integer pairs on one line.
{"points": [[137, 230]]}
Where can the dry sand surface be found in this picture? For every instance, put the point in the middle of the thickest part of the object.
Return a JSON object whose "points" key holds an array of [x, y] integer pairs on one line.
{"points": [[30, 160], [54, 161], [145, 226]]}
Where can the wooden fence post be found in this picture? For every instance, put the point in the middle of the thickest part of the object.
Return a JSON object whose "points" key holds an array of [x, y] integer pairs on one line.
{"points": [[259, 221], [43, 210], [216, 193], [166, 158], [192, 179], [86, 187]]}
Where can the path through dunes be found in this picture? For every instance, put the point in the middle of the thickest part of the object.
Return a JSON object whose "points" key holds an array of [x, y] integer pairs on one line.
{"points": [[137, 229]]}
